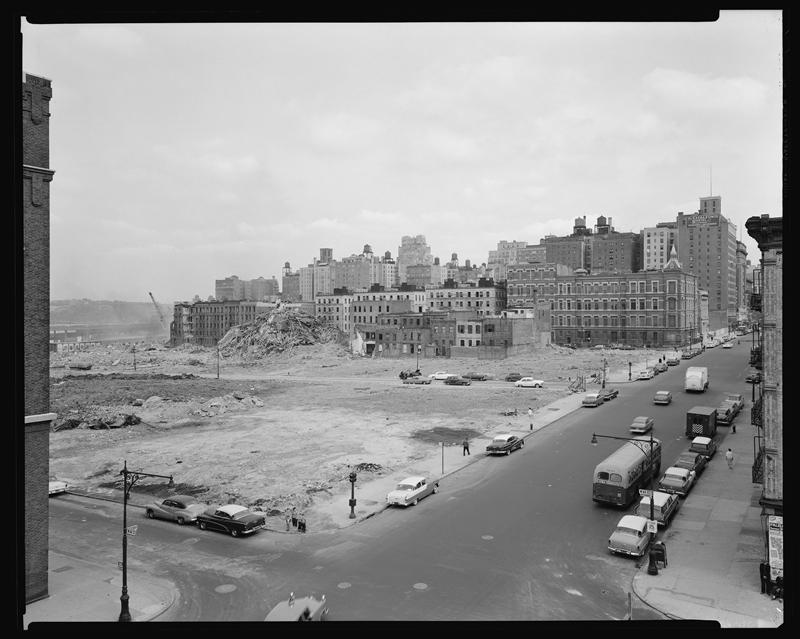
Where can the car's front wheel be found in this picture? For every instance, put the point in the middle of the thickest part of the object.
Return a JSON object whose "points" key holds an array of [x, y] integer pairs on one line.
{"points": [[234, 532], [508, 452], [435, 489], [151, 514], [202, 525], [415, 502], [522, 443], [181, 521]]}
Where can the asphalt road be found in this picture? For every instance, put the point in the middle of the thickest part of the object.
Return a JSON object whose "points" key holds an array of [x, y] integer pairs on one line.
{"points": [[514, 537]]}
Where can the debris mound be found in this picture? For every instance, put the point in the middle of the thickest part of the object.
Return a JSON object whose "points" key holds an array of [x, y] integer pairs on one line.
{"points": [[281, 330]]}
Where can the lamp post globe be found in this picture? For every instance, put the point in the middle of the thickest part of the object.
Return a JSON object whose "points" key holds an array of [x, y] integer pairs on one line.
{"points": [[352, 478]]}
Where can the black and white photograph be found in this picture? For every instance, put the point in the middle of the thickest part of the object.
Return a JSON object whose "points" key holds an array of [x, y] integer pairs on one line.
{"points": [[399, 320]]}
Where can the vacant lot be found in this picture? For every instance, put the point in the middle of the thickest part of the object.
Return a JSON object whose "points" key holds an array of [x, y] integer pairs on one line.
{"points": [[274, 433]]}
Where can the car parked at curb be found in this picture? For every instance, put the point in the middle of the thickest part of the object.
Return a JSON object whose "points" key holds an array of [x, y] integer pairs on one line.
{"points": [[706, 446], [647, 373], [727, 345], [660, 367], [677, 480], [642, 425], [673, 361], [513, 377], [737, 399], [665, 505], [439, 375], [630, 537], [182, 509], [457, 380], [593, 399], [691, 460], [478, 377], [609, 393], [529, 382], [299, 609], [56, 487], [409, 491], [417, 380], [232, 519], [504, 444], [753, 378], [725, 413], [662, 397]]}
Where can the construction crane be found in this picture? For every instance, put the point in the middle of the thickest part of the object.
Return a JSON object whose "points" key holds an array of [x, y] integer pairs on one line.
{"points": [[158, 310]]}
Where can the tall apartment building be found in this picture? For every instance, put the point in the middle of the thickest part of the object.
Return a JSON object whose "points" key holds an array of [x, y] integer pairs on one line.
{"points": [[261, 289], [360, 272], [290, 284], [767, 410], [741, 283], [531, 253], [318, 277], [505, 254], [412, 250], [422, 275], [229, 288], [335, 309], [707, 247], [657, 242], [527, 284], [33, 315]]}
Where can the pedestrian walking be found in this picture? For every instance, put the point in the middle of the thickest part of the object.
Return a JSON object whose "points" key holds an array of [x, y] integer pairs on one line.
{"points": [[729, 458], [301, 523], [530, 416], [465, 445], [294, 516], [288, 520]]}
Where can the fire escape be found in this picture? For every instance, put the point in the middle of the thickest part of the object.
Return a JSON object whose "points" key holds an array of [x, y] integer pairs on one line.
{"points": [[757, 420]]}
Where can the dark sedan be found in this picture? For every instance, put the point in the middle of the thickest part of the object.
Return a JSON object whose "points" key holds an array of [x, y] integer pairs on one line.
{"points": [[691, 460], [513, 377], [609, 393], [504, 444], [179, 508], [232, 519], [479, 377], [455, 380], [753, 378], [416, 380]]}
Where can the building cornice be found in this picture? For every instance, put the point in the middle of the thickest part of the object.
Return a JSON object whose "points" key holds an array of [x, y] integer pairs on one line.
{"points": [[767, 231], [38, 169]]}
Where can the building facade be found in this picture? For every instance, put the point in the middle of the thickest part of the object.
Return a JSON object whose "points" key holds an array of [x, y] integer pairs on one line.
{"points": [[707, 248], [424, 275], [205, 323], [505, 254], [319, 277], [35, 315], [412, 250], [767, 410], [528, 283], [229, 288], [335, 309], [483, 298], [290, 284], [657, 242]]}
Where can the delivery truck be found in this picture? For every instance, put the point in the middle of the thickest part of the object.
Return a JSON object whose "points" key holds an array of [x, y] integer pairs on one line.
{"points": [[701, 421], [696, 379]]}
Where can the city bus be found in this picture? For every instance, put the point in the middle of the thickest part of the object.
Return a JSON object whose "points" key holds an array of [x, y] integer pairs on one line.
{"points": [[618, 478]]}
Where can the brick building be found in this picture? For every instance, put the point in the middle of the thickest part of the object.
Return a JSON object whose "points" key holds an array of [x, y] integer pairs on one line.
{"points": [[483, 297], [767, 410], [36, 178], [205, 323]]}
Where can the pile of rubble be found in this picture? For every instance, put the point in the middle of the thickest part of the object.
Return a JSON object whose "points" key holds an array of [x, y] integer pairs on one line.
{"points": [[96, 422], [281, 330], [230, 402]]}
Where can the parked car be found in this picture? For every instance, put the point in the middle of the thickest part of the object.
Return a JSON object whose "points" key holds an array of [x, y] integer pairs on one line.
{"points": [[439, 375], [673, 361], [529, 382], [660, 367], [409, 373], [609, 393], [409, 491], [677, 480], [725, 413], [299, 609], [232, 519], [457, 380], [504, 444], [593, 399], [647, 373], [480, 377], [630, 537], [691, 460], [417, 380], [688, 354], [513, 377], [665, 505], [705, 446], [737, 399], [727, 345], [662, 397], [642, 424], [753, 378], [56, 487], [179, 508]]}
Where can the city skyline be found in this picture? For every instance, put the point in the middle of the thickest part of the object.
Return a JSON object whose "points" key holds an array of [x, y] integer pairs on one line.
{"points": [[208, 160]]}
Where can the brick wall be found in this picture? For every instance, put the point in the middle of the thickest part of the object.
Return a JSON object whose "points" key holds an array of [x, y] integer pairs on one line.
{"points": [[36, 177]]}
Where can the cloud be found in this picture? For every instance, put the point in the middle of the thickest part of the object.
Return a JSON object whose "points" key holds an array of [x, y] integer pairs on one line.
{"points": [[695, 93], [325, 223], [343, 132], [379, 217]]}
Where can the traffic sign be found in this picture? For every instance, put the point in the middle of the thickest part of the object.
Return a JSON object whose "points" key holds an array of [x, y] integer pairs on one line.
{"points": [[131, 530], [645, 493], [652, 526]]}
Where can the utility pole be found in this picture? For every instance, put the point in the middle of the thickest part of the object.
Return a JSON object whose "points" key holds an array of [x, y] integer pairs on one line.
{"points": [[217, 359]]}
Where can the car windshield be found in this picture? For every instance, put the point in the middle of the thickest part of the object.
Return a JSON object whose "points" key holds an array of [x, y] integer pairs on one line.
{"points": [[405, 487]]}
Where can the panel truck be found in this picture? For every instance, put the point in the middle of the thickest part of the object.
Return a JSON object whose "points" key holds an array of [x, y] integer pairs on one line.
{"points": [[701, 421], [618, 478], [696, 378]]}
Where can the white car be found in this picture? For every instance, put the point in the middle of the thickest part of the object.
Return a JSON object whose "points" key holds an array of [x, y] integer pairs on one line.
{"points": [[630, 537], [727, 345], [529, 382], [57, 487], [647, 373], [411, 490], [440, 375]]}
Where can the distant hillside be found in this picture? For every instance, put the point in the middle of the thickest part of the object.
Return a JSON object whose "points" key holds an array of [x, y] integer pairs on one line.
{"points": [[91, 312]]}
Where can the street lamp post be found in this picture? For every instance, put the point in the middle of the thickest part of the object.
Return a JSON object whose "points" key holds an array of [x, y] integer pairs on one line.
{"points": [[129, 478], [353, 495], [604, 372], [652, 567], [629, 370]]}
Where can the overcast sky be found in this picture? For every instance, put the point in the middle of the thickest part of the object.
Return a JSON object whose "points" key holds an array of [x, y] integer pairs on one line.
{"points": [[185, 153]]}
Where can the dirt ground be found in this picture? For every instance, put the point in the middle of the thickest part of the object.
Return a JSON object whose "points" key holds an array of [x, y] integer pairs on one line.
{"points": [[277, 432]]}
